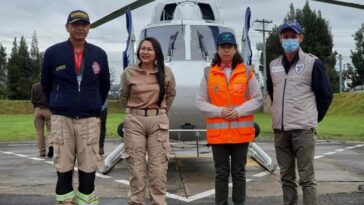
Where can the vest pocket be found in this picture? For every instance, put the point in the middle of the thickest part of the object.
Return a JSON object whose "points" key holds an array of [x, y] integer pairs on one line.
{"points": [[239, 89]]}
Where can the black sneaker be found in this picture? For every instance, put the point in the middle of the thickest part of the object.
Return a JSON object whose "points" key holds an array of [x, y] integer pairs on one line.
{"points": [[50, 152]]}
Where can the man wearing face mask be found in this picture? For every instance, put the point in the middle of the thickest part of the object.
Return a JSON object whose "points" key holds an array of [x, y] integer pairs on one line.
{"points": [[301, 95]]}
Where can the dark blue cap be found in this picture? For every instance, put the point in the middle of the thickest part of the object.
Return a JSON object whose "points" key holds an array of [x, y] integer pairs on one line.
{"points": [[227, 38], [78, 15], [293, 25]]}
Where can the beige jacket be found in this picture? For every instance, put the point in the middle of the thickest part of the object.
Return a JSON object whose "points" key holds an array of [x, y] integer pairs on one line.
{"points": [[140, 90]]}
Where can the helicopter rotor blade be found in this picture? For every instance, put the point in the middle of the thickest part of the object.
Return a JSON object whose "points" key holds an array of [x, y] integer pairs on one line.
{"points": [[119, 12], [341, 3]]}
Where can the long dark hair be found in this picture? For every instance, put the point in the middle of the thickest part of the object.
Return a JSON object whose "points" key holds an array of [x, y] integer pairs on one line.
{"points": [[236, 59], [159, 64]]}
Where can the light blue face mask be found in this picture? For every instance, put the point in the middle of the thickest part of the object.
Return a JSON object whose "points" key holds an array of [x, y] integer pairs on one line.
{"points": [[290, 45]]}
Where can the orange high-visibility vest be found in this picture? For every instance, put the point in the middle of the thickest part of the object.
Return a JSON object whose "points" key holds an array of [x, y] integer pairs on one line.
{"points": [[232, 94]]}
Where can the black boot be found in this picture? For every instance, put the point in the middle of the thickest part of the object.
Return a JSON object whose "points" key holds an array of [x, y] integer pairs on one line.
{"points": [[50, 152]]}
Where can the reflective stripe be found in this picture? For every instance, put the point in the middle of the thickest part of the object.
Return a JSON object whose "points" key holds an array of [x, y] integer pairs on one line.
{"points": [[241, 124], [66, 197], [218, 125], [233, 124]]}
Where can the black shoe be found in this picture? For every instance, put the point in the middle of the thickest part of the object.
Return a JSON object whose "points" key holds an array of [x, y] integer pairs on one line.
{"points": [[50, 152], [101, 151]]}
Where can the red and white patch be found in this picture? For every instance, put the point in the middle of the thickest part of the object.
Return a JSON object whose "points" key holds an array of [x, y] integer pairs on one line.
{"points": [[96, 68]]}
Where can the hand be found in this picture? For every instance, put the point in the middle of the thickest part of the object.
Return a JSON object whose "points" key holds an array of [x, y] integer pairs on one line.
{"points": [[229, 113]]}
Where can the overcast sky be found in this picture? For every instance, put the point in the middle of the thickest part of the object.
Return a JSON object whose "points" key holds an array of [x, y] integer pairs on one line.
{"points": [[47, 18]]}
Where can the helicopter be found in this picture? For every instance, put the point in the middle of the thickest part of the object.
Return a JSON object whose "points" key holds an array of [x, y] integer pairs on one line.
{"points": [[187, 31], [342, 3]]}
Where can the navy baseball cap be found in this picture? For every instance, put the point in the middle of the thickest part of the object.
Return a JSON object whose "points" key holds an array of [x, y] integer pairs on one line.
{"points": [[293, 25], [78, 15], [226, 38]]}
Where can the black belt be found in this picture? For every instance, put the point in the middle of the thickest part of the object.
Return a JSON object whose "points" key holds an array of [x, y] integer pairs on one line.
{"points": [[146, 112]]}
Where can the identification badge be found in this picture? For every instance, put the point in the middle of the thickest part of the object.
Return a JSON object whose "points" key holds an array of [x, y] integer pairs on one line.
{"points": [[276, 69]]}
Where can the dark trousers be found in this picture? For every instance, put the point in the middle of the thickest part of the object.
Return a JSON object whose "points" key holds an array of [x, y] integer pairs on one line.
{"points": [[103, 117], [296, 148], [230, 158]]}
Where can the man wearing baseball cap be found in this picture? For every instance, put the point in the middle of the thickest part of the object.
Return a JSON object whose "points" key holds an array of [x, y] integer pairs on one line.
{"points": [[301, 95], [76, 79]]}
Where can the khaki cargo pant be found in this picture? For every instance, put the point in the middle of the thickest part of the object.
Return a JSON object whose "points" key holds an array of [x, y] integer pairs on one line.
{"points": [[296, 148], [75, 139], [147, 135], [42, 117]]}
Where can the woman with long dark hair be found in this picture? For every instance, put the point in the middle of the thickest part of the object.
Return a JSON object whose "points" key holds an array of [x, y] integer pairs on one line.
{"points": [[147, 92], [229, 95]]}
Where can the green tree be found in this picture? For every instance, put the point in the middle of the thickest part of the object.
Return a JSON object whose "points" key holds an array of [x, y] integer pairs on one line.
{"points": [[19, 71], [36, 58], [357, 58], [317, 40], [351, 77], [3, 72]]}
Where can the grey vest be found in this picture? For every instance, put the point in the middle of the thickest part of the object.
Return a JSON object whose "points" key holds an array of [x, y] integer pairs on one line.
{"points": [[294, 102]]}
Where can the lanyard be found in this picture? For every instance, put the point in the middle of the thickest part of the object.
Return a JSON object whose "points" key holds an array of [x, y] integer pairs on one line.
{"points": [[78, 59]]}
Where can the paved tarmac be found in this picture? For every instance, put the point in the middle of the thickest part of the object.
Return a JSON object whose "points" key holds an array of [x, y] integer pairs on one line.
{"points": [[27, 179]]}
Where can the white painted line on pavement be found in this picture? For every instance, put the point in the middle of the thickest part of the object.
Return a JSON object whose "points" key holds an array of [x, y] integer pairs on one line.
{"points": [[103, 176], [194, 197], [122, 181], [6, 152], [261, 174], [22, 155], [36, 158], [49, 162], [330, 153]]}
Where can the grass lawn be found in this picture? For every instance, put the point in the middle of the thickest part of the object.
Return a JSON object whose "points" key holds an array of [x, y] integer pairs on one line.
{"points": [[20, 127]]}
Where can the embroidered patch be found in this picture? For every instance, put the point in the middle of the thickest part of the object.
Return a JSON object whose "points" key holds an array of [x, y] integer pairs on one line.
{"points": [[96, 68], [276, 69], [61, 67], [216, 88], [300, 68]]}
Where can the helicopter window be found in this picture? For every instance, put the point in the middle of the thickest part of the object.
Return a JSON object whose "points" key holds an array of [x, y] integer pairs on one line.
{"points": [[203, 41], [171, 39], [207, 13], [168, 11]]}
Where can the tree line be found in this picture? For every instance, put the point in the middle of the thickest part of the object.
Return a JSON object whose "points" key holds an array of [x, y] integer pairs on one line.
{"points": [[21, 69]]}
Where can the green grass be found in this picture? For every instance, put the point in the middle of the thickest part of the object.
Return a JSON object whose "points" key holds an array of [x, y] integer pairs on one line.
{"points": [[20, 127], [344, 120]]}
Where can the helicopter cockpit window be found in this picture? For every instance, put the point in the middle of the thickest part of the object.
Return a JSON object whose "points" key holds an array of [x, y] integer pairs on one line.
{"points": [[203, 41], [170, 38], [207, 13], [168, 11]]}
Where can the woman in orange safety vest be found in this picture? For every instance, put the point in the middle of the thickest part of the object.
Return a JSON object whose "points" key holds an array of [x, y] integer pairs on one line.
{"points": [[228, 96]]}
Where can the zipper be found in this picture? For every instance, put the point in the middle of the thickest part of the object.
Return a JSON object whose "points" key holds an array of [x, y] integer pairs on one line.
{"points": [[284, 92]]}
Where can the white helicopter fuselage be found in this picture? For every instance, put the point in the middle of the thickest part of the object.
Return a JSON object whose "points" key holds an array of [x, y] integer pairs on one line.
{"points": [[188, 39], [187, 31]]}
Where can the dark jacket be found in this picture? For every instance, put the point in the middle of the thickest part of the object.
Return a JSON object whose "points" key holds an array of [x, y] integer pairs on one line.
{"points": [[59, 80], [37, 96]]}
